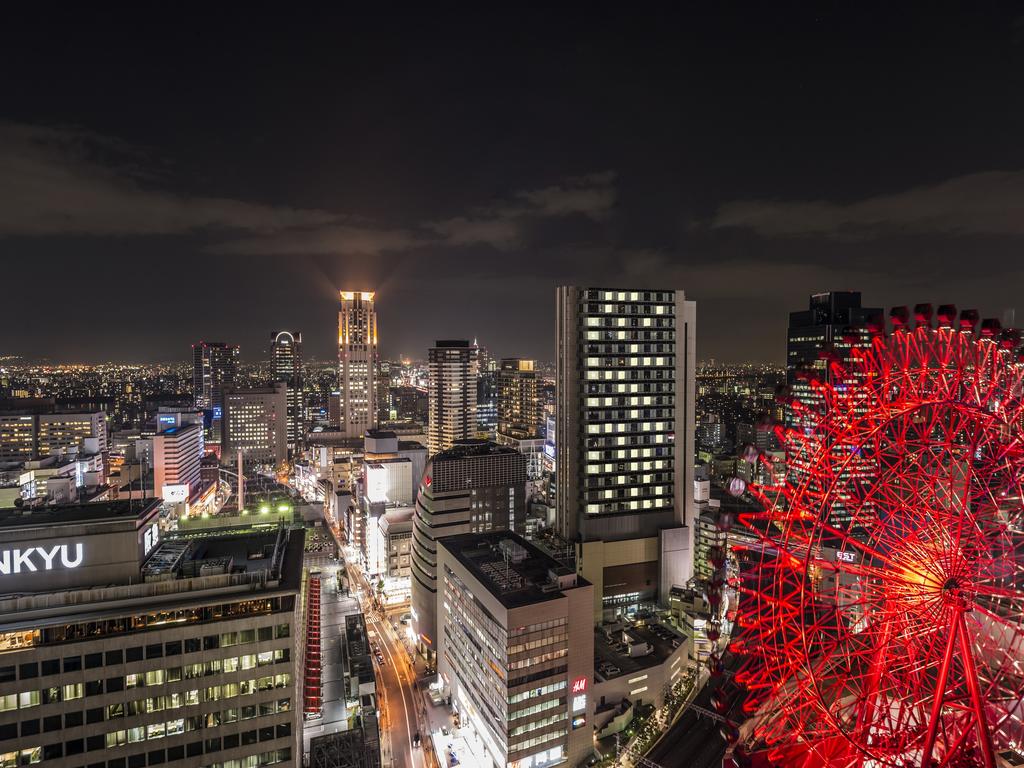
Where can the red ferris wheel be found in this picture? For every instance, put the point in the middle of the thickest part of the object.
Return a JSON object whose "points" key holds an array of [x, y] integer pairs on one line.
{"points": [[883, 610]]}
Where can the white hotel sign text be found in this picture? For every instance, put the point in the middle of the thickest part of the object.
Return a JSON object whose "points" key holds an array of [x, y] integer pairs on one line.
{"points": [[40, 558]]}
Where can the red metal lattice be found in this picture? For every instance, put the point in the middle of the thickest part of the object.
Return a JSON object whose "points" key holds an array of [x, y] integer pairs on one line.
{"points": [[893, 634]]}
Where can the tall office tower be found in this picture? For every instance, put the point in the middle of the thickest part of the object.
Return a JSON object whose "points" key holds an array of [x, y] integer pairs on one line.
{"points": [[384, 375], [474, 486], [519, 409], [834, 324], [487, 404], [177, 453], [625, 411], [520, 413], [122, 648], [286, 366], [214, 365], [357, 362], [451, 388], [334, 410], [517, 649], [486, 391], [256, 423], [482, 357]]}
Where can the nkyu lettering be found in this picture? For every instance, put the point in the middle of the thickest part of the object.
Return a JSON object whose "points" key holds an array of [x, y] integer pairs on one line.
{"points": [[40, 558]]}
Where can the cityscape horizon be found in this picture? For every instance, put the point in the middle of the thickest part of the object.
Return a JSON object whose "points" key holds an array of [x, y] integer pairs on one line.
{"points": [[512, 387]]}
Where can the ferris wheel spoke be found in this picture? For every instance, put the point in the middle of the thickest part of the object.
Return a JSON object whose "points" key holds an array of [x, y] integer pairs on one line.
{"points": [[971, 674], [1015, 628], [953, 748], [921, 452], [991, 590], [939, 696], [863, 547]]}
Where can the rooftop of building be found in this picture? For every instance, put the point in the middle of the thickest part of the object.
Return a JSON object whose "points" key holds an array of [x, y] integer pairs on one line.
{"points": [[189, 556], [511, 568], [612, 642], [397, 520], [470, 448], [357, 648], [66, 514], [263, 389], [334, 437], [182, 428], [180, 572]]}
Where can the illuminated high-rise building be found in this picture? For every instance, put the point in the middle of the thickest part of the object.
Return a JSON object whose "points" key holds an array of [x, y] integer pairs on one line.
{"points": [[286, 367], [26, 433], [256, 423], [214, 365], [64, 432], [625, 412], [834, 325], [451, 394], [18, 436], [357, 362], [486, 392], [471, 487], [520, 414], [177, 453]]}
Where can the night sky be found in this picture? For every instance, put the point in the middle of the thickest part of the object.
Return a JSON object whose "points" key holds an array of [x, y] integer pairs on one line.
{"points": [[217, 174]]}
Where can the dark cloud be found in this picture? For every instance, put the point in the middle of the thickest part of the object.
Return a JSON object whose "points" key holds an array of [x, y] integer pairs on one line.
{"points": [[990, 203], [61, 181], [330, 240], [52, 182], [458, 162], [503, 224]]}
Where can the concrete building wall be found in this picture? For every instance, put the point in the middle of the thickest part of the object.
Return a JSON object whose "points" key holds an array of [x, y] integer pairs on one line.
{"points": [[502, 715], [598, 562]]}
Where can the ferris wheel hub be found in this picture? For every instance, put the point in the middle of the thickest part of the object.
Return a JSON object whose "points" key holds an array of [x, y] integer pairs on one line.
{"points": [[883, 615]]}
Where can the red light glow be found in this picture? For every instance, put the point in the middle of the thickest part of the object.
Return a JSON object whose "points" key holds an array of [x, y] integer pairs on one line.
{"points": [[883, 613]]}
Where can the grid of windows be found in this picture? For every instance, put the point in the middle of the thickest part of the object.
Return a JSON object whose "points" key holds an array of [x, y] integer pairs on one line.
{"points": [[139, 715], [627, 400], [357, 362], [491, 664]]}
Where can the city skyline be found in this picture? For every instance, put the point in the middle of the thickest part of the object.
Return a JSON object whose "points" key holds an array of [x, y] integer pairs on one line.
{"points": [[569, 387], [693, 147]]}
